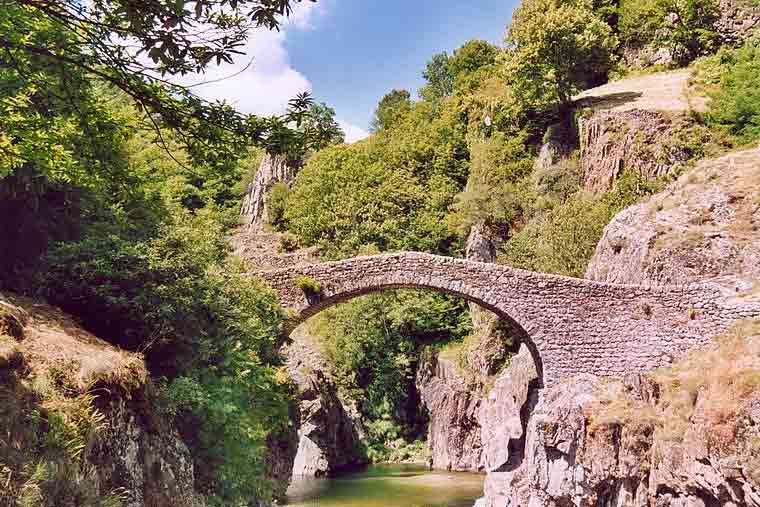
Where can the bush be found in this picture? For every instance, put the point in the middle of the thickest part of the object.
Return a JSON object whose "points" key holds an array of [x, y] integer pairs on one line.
{"points": [[563, 239], [276, 205], [558, 49], [308, 285], [211, 332], [288, 242], [735, 104], [372, 345], [686, 27]]}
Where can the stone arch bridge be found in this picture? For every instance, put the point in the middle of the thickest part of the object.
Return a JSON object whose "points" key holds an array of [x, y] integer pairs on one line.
{"points": [[571, 325]]}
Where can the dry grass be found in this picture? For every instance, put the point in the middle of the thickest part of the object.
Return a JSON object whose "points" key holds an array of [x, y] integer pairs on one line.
{"points": [[48, 410], [711, 385], [54, 342]]}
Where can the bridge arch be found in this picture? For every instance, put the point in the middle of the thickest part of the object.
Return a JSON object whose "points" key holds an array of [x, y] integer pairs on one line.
{"points": [[571, 325], [319, 302]]}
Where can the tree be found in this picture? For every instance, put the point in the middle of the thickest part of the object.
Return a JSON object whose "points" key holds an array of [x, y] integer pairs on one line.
{"points": [[391, 106], [685, 27], [444, 73], [557, 48], [137, 47], [473, 55], [320, 129], [439, 77]]}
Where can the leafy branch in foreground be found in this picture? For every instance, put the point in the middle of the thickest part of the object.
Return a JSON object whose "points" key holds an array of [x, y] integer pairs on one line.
{"points": [[137, 47]]}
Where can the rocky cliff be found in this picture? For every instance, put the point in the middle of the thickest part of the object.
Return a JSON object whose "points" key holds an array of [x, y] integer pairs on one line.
{"points": [[260, 247], [702, 227], [272, 170], [640, 124], [76, 416], [683, 436], [329, 430], [736, 21], [452, 389], [686, 435], [453, 405]]}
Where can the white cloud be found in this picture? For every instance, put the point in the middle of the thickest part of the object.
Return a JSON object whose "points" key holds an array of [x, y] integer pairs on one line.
{"points": [[270, 82], [353, 133], [266, 86]]}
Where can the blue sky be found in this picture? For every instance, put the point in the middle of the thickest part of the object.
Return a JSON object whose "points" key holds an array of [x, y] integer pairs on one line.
{"points": [[349, 53]]}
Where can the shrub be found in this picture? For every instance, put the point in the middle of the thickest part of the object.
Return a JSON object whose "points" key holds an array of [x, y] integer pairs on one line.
{"points": [[308, 285], [288, 242], [686, 27], [563, 239], [372, 345], [276, 205], [735, 104], [209, 331]]}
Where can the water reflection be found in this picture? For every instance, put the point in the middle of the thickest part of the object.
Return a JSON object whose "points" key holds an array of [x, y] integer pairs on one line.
{"points": [[389, 486]]}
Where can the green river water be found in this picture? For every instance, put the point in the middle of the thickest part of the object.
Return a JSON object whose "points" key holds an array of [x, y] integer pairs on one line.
{"points": [[389, 486]]}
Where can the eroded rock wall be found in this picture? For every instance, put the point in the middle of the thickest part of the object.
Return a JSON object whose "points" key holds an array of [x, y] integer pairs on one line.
{"points": [[453, 406], [649, 143], [134, 452], [703, 227], [329, 430], [272, 170], [569, 460]]}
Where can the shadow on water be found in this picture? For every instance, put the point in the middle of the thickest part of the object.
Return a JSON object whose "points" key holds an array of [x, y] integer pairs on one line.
{"points": [[389, 486]]}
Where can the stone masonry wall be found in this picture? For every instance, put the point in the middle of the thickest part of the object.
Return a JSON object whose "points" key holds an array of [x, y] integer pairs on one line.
{"points": [[571, 325]]}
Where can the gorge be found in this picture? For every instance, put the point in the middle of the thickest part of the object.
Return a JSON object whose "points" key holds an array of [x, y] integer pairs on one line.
{"points": [[533, 281]]}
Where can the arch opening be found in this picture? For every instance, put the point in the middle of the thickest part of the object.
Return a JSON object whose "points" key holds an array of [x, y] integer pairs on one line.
{"points": [[317, 303], [437, 415]]}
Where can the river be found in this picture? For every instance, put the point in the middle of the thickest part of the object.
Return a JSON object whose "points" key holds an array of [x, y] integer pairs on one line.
{"points": [[389, 486]]}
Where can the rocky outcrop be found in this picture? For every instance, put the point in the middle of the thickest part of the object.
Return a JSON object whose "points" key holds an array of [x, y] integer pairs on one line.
{"points": [[739, 19], [504, 413], [703, 227], [273, 169], [475, 427], [576, 453], [329, 431], [453, 405], [652, 144], [558, 143], [736, 21], [129, 451], [253, 242], [681, 436], [140, 452]]}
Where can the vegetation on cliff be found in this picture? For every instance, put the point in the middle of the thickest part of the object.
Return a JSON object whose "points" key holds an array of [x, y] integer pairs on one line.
{"points": [[116, 194]]}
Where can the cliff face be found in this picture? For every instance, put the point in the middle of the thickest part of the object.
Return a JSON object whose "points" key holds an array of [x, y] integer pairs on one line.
{"points": [[686, 435], [272, 170], [261, 248], [329, 431], [85, 404], [645, 142], [640, 124], [644, 441], [454, 431], [703, 227], [475, 427], [459, 431]]}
